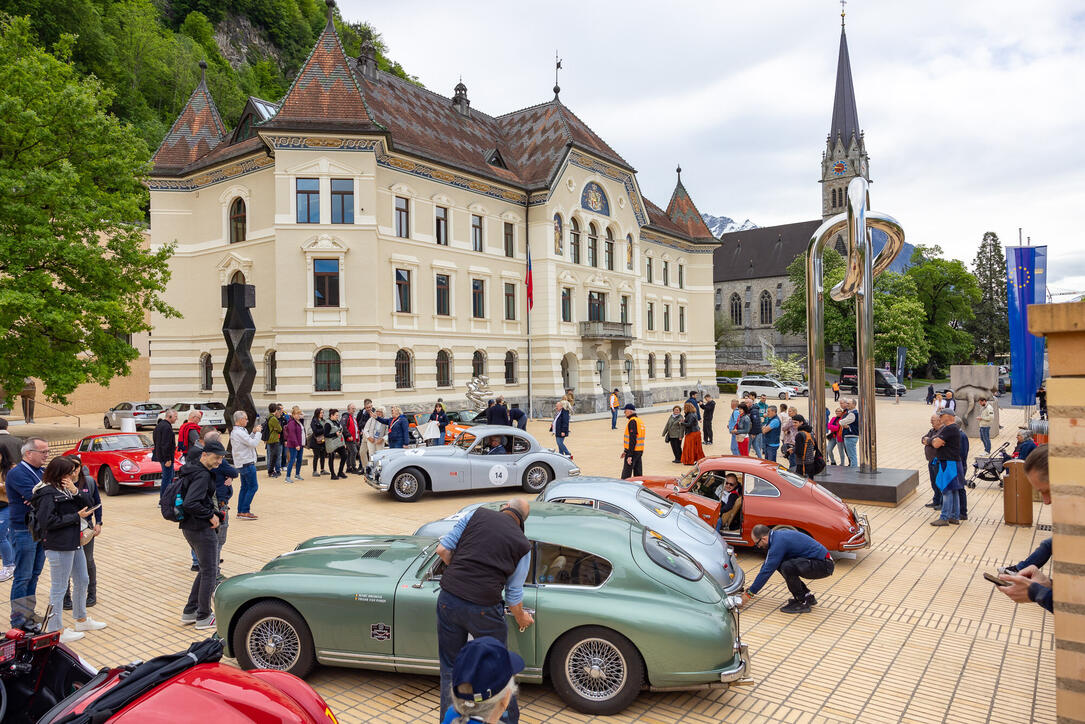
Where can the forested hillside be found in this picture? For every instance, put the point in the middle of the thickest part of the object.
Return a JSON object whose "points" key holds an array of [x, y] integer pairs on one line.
{"points": [[147, 51]]}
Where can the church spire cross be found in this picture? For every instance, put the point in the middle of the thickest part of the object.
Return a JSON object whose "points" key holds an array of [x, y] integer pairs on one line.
{"points": [[843, 11], [557, 67]]}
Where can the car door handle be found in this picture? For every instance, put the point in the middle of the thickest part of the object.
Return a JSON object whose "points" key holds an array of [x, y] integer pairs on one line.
{"points": [[529, 611]]}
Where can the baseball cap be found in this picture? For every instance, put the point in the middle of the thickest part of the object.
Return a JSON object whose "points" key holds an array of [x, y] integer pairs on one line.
{"points": [[947, 411], [630, 406], [214, 447], [486, 665]]}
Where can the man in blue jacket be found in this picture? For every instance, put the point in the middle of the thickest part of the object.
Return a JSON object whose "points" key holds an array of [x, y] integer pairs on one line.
{"points": [[796, 556], [29, 554], [1030, 584]]}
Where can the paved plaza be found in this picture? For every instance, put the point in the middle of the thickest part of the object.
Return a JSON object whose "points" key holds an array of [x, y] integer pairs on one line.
{"points": [[908, 631]]}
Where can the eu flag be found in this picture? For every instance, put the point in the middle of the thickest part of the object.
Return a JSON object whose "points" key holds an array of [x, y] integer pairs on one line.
{"points": [[1026, 283]]}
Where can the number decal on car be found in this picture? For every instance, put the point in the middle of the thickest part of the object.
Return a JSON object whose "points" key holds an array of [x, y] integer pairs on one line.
{"points": [[499, 474]]}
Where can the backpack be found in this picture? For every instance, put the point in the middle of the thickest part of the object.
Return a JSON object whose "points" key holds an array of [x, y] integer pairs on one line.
{"points": [[265, 432], [36, 533], [171, 498]]}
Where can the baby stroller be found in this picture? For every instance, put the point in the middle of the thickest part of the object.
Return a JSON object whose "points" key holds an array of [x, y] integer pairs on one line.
{"points": [[989, 467]]}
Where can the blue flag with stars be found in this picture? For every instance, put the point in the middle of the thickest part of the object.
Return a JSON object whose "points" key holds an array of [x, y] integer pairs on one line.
{"points": [[1026, 283]]}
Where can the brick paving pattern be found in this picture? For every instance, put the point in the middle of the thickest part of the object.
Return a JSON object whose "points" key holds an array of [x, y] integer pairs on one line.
{"points": [[907, 632]]}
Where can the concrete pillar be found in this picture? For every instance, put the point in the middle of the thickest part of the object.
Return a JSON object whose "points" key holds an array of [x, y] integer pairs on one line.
{"points": [[1064, 327]]}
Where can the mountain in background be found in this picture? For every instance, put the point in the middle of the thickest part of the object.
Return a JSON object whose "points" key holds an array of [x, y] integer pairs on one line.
{"points": [[725, 224]]}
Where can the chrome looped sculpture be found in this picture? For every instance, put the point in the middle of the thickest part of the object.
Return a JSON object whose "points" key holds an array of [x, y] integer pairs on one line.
{"points": [[862, 268]]}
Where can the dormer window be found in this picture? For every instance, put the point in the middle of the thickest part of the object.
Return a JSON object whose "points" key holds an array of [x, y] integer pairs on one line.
{"points": [[496, 160], [244, 129]]}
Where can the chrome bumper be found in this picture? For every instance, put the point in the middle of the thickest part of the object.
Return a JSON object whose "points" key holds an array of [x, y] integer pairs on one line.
{"points": [[740, 672], [373, 481], [860, 539], [574, 472]]}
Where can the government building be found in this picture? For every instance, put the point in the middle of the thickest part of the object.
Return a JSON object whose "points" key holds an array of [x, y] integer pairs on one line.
{"points": [[387, 229]]}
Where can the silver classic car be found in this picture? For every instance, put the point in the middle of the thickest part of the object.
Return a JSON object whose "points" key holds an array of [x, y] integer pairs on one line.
{"points": [[486, 456]]}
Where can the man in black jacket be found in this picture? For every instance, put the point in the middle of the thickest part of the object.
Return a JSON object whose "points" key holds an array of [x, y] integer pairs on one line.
{"points": [[709, 407], [201, 519], [165, 445], [498, 413]]}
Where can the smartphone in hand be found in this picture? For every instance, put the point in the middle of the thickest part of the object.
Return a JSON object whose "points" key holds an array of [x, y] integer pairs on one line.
{"points": [[995, 579]]}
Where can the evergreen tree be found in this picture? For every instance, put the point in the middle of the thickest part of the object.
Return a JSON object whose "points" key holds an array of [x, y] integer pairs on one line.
{"points": [[948, 293], [990, 329]]}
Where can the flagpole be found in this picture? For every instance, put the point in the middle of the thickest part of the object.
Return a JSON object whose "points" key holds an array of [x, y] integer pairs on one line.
{"points": [[528, 298]]}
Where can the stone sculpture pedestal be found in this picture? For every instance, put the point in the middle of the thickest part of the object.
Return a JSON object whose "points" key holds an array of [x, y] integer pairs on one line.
{"points": [[969, 382]]}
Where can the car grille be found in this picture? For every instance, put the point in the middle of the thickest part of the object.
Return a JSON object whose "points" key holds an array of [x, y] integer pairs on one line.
{"points": [[150, 476]]}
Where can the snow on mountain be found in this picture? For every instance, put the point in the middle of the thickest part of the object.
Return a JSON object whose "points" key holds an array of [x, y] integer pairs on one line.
{"points": [[725, 224]]}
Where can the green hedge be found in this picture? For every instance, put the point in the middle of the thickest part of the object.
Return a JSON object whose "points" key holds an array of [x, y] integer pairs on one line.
{"points": [[729, 373], [728, 387]]}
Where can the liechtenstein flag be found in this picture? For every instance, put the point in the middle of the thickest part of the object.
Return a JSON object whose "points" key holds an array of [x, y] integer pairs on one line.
{"points": [[1026, 284], [530, 284]]}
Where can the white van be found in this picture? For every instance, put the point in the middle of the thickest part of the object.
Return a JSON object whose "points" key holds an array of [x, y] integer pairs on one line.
{"points": [[772, 389]]}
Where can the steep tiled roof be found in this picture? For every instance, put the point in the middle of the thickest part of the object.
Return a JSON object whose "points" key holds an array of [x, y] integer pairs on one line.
{"points": [[325, 94], [196, 132], [225, 152], [845, 123], [762, 252], [659, 219], [684, 213]]}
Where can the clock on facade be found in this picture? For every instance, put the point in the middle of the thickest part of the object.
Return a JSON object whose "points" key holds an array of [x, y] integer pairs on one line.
{"points": [[840, 168]]}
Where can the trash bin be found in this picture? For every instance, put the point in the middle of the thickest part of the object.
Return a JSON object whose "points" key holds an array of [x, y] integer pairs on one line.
{"points": [[1017, 494], [1039, 430], [128, 424]]}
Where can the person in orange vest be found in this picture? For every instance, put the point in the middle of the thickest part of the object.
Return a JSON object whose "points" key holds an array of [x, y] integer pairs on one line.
{"points": [[614, 409], [634, 443], [836, 392]]}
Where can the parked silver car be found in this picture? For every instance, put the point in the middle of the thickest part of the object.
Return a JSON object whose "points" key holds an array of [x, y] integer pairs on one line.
{"points": [[486, 456], [144, 413], [214, 414], [633, 501]]}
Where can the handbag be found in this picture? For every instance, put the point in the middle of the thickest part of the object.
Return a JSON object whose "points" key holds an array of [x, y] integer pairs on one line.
{"points": [[87, 532], [335, 441]]}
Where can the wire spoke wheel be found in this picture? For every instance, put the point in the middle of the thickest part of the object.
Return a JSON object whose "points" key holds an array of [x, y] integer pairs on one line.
{"points": [[273, 643], [596, 669], [406, 485], [536, 478]]}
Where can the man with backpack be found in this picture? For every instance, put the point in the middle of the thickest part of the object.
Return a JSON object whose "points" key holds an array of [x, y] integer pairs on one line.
{"points": [[271, 435], [165, 447], [200, 519]]}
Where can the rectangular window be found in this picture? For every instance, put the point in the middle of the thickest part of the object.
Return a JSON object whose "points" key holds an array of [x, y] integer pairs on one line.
{"points": [[342, 201], [510, 301], [681, 277], [682, 320], [593, 247], [597, 307], [574, 246], [403, 290], [476, 232], [651, 316], [403, 217], [478, 298], [308, 198], [443, 295], [666, 273], [648, 268], [666, 316], [325, 282], [625, 310], [609, 255], [440, 226], [510, 241], [566, 304]]}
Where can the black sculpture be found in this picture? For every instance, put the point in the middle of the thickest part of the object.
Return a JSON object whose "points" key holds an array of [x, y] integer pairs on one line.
{"points": [[240, 370]]}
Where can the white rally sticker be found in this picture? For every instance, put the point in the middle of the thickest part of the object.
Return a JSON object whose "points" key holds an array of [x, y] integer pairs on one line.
{"points": [[499, 474], [416, 451]]}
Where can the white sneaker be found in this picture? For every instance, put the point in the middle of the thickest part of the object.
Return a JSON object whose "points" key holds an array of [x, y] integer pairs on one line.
{"points": [[6, 573], [67, 636], [89, 625], [289, 480], [206, 623]]}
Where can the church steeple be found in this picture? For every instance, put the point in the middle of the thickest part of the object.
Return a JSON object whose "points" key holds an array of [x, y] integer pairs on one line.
{"points": [[845, 154]]}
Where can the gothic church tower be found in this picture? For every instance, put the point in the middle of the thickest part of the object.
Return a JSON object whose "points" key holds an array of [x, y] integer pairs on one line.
{"points": [[845, 154]]}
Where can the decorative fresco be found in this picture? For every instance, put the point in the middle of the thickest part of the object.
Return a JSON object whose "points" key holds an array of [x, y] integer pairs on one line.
{"points": [[593, 198], [559, 238]]}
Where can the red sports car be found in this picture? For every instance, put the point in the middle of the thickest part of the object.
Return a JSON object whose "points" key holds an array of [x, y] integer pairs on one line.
{"points": [[119, 459], [771, 495]]}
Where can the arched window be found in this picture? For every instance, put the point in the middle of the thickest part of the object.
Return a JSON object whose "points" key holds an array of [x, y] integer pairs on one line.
{"points": [[736, 310], [667, 365], [510, 368], [270, 371], [559, 236], [444, 369], [237, 220], [237, 277], [403, 369], [629, 251], [719, 299], [593, 245], [326, 371], [574, 240], [651, 366], [766, 307], [682, 366], [478, 363], [207, 373]]}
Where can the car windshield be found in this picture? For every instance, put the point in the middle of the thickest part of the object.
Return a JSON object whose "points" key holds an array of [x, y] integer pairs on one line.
{"points": [[890, 377], [121, 442], [687, 480], [797, 480], [210, 406], [654, 502], [149, 406], [464, 440], [671, 557]]}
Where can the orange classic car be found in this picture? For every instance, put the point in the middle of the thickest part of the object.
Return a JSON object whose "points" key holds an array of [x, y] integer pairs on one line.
{"points": [[771, 495]]}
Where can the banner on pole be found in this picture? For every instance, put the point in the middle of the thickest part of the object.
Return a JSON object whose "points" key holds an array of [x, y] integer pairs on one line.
{"points": [[902, 356], [1026, 283]]}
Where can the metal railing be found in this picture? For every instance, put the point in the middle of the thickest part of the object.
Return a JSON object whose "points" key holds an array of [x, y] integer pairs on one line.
{"points": [[606, 330]]}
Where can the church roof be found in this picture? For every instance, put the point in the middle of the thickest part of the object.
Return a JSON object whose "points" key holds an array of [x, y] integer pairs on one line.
{"points": [[682, 211], [195, 133], [763, 252], [845, 123]]}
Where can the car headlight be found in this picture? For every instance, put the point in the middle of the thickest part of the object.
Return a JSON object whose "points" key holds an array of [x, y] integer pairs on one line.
{"points": [[733, 601], [128, 466]]}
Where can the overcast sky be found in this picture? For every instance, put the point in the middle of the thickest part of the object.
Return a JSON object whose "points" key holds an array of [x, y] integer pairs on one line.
{"points": [[973, 110]]}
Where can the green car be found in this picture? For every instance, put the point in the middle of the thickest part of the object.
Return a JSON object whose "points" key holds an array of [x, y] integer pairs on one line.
{"points": [[617, 607]]}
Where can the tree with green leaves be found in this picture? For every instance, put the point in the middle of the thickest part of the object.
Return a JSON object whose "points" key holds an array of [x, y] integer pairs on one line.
{"points": [[839, 316], [948, 293], [76, 277], [990, 329], [727, 334]]}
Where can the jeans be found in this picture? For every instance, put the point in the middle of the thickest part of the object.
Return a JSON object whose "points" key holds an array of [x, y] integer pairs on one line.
{"points": [[851, 444], [273, 456], [7, 552], [206, 544], [92, 573], [734, 445], [985, 438], [1038, 557], [249, 486], [441, 437], [614, 418], [167, 478], [831, 445], [65, 565], [951, 505], [29, 560], [456, 619], [932, 469], [756, 443], [561, 445], [962, 501], [770, 452], [795, 569], [294, 462]]}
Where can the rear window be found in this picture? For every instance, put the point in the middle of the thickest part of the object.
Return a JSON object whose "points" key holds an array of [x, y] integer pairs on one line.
{"points": [[669, 556], [797, 480], [654, 502], [210, 406], [149, 406]]}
